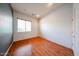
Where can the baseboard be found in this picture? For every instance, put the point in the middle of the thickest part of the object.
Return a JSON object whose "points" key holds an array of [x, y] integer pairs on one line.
{"points": [[16, 41], [31, 38], [25, 38], [56, 43], [8, 49]]}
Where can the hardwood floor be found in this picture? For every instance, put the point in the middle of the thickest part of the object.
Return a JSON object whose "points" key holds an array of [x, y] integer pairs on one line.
{"points": [[38, 47]]}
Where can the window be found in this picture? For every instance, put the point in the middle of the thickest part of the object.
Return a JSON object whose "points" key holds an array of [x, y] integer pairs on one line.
{"points": [[28, 26], [21, 25], [24, 26]]}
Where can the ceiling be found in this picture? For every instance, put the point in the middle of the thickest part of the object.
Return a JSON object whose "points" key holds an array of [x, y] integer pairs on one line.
{"points": [[37, 10]]}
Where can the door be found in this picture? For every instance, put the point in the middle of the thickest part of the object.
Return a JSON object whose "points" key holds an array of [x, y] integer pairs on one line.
{"points": [[5, 27]]}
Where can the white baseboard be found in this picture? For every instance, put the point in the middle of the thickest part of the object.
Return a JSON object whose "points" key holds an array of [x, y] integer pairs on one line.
{"points": [[15, 41], [56, 42], [25, 38], [8, 49]]}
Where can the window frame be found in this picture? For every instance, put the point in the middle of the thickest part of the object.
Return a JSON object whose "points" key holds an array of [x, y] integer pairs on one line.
{"points": [[31, 26], [25, 25]]}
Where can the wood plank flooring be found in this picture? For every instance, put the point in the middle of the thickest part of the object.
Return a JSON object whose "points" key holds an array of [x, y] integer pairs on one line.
{"points": [[38, 47]]}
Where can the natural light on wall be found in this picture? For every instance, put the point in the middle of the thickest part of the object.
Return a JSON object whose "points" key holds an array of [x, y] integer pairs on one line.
{"points": [[24, 26], [50, 4]]}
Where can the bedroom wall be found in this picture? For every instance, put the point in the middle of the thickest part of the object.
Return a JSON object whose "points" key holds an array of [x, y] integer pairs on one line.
{"points": [[57, 26], [25, 35]]}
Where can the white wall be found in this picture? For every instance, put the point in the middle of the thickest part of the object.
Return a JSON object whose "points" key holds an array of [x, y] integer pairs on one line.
{"points": [[25, 35], [57, 26], [76, 29]]}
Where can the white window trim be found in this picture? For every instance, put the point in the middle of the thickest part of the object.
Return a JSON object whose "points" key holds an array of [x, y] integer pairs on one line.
{"points": [[25, 25]]}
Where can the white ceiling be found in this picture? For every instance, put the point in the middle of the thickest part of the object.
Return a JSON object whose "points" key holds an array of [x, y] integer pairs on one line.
{"points": [[33, 9]]}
